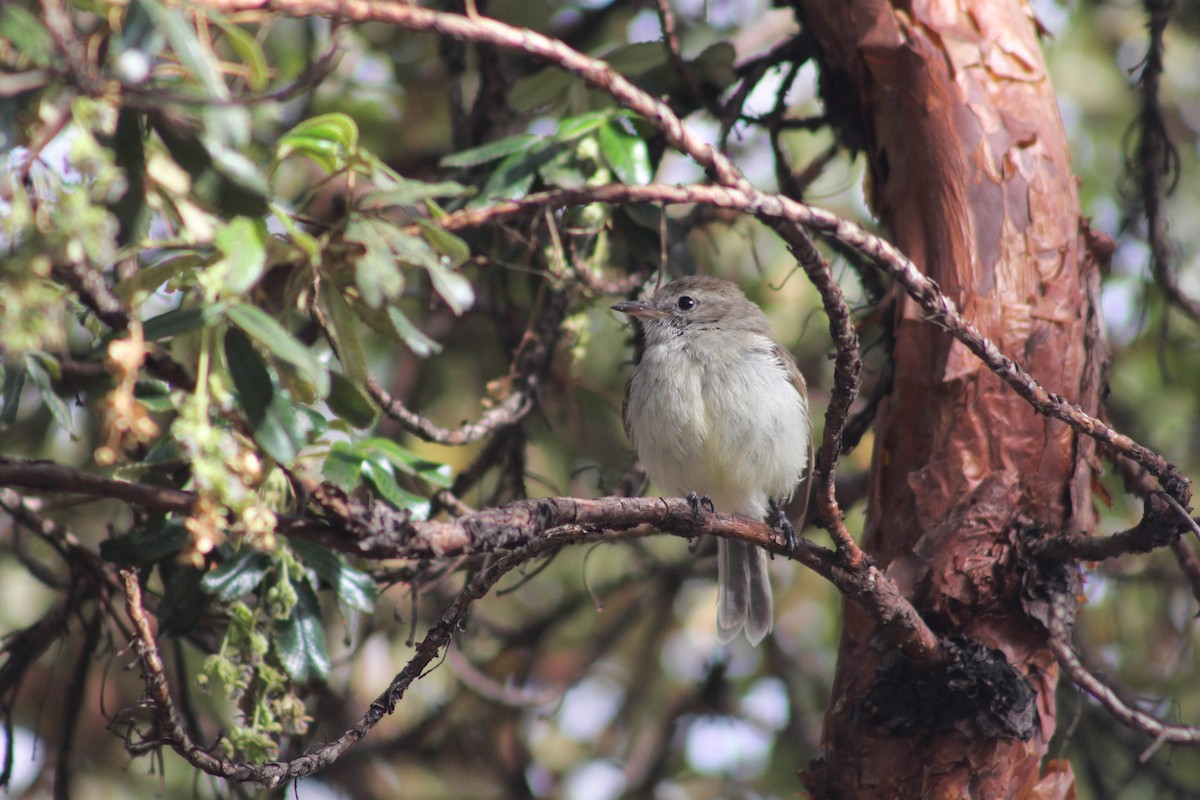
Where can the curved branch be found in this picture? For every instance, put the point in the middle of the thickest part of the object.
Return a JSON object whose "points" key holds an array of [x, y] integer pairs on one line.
{"points": [[1157, 159], [529, 363], [1060, 644], [374, 530], [939, 308], [275, 773]]}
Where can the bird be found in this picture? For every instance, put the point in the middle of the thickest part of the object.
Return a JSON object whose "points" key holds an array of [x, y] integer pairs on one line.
{"points": [[716, 409]]}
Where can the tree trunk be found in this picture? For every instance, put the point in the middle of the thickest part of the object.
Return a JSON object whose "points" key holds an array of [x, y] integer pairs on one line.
{"points": [[970, 172]]}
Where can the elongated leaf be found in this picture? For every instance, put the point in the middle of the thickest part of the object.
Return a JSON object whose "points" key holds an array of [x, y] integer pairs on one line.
{"points": [[237, 576], [407, 461], [145, 546], [249, 51], [491, 151], [409, 192], [636, 58], [304, 240], [355, 589], [454, 288], [343, 466], [581, 124], [275, 338], [350, 402], [376, 273], [182, 603], [445, 242], [14, 384], [271, 419], [625, 153], [180, 320], [377, 471], [513, 177], [345, 333], [194, 56], [150, 278], [416, 340], [36, 368], [300, 639], [243, 243], [241, 188], [540, 89], [18, 24], [328, 140], [406, 247]]}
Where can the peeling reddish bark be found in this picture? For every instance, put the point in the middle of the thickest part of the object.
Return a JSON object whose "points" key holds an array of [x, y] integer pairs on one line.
{"points": [[970, 172]]}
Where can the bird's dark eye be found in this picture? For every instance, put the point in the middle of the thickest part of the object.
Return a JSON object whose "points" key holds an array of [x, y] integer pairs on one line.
{"points": [[685, 303]]}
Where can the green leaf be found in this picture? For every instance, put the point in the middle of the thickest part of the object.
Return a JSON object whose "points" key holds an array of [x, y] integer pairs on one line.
{"points": [[14, 384], [328, 140], [275, 338], [377, 471], [21, 27], [416, 340], [376, 273], [223, 180], [405, 246], [243, 243], [300, 639], [305, 241], [566, 171], [344, 328], [491, 151], [227, 128], [445, 242], [638, 58], [454, 288], [195, 57], [180, 320], [715, 65], [145, 546], [540, 89], [407, 461], [625, 153], [150, 278], [248, 50], [270, 416], [182, 603], [237, 576], [581, 124], [343, 466], [355, 589], [36, 367], [127, 144], [513, 177], [409, 192], [349, 402], [240, 188]]}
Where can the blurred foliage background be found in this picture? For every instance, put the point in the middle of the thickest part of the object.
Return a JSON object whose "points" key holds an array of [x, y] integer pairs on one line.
{"points": [[240, 182]]}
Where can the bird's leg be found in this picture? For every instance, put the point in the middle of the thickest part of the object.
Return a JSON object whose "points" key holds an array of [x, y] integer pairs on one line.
{"points": [[779, 521], [697, 502]]}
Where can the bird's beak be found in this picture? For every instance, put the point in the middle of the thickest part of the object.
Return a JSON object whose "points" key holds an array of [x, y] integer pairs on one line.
{"points": [[639, 309]]}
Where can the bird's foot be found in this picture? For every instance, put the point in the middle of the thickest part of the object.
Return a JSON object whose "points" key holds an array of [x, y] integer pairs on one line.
{"points": [[780, 522], [699, 501]]}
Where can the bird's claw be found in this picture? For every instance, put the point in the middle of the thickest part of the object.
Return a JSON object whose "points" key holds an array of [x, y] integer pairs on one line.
{"points": [[697, 502], [780, 522]]}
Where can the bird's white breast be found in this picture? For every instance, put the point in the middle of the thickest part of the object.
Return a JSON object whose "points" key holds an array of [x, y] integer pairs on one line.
{"points": [[729, 424]]}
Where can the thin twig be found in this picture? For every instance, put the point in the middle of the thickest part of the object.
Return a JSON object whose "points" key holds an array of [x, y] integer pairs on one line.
{"points": [[1060, 645]]}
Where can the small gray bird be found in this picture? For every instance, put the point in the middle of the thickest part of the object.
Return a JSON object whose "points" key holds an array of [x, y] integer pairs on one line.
{"points": [[716, 408]]}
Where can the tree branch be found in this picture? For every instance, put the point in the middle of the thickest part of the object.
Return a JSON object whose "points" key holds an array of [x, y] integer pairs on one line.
{"points": [[1060, 643]]}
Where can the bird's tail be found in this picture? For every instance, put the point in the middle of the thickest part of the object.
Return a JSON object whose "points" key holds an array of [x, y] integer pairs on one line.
{"points": [[743, 592]]}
